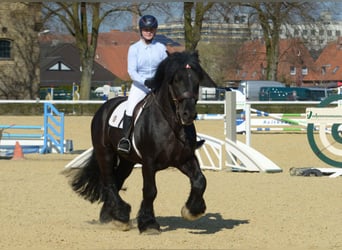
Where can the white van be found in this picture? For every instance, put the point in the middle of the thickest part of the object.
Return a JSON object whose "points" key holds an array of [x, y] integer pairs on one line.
{"points": [[109, 91], [251, 89]]}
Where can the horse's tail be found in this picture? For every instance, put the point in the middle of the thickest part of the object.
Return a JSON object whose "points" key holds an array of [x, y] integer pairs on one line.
{"points": [[86, 181]]}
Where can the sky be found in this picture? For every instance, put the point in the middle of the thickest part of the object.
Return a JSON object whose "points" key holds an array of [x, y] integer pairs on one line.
{"points": [[126, 19]]}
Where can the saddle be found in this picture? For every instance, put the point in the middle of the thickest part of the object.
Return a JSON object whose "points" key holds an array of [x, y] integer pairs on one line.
{"points": [[116, 118]]}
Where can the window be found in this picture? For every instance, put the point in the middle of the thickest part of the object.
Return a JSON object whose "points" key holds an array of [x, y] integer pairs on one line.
{"points": [[338, 33], [305, 32], [323, 70], [304, 70], [321, 32], [59, 67], [336, 69], [292, 70], [5, 49], [313, 32], [296, 32], [329, 32]]}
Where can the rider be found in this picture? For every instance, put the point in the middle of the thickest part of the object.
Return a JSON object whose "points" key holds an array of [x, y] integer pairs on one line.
{"points": [[143, 59]]}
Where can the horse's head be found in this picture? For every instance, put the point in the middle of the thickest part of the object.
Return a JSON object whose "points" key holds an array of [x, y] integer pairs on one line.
{"points": [[184, 93], [182, 74]]}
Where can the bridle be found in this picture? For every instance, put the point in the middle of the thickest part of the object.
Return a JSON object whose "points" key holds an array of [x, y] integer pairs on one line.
{"points": [[176, 101], [185, 95]]}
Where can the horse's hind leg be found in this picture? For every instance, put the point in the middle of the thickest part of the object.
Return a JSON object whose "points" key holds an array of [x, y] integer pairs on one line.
{"points": [[195, 205], [114, 208]]}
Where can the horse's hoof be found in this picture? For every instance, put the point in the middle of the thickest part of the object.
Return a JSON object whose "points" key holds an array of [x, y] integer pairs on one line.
{"points": [[151, 231], [150, 227], [122, 226], [189, 216]]}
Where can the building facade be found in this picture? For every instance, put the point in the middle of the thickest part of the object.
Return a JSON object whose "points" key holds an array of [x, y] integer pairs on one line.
{"points": [[20, 24]]}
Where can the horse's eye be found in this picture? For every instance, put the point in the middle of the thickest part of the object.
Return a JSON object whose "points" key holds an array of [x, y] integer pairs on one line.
{"points": [[177, 78]]}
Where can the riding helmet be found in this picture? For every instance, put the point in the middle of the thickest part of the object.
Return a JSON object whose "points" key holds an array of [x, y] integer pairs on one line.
{"points": [[148, 21]]}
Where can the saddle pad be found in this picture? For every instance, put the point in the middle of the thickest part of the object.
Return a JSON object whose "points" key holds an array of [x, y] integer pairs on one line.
{"points": [[115, 119]]}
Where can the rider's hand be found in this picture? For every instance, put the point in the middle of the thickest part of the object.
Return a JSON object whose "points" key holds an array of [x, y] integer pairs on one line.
{"points": [[150, 83]]}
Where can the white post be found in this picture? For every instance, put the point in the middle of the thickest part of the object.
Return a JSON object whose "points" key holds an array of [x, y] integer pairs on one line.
{"points": [[248, 123], [230, 112], [231, 115]]}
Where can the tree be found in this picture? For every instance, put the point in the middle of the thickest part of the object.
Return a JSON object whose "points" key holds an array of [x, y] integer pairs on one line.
{"points": [[193, 26], [83, 20], [215, 61]]}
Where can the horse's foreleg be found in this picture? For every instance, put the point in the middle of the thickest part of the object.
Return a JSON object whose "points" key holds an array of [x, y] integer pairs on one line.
{"points": [[195, 205], [146, 220]]}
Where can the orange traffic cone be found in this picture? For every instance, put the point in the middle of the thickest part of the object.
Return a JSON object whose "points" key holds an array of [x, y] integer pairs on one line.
{"points": [[18, 152]]}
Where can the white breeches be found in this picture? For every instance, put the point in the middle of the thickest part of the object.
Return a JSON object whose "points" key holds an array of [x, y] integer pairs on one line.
{"points": [[135, 95]]}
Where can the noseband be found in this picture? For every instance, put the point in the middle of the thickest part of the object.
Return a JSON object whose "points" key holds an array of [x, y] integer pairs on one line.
{"points": [[183, 96]]}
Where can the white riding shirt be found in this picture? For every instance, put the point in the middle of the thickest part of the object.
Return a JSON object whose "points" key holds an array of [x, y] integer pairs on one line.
{"points": [[143, 60]]}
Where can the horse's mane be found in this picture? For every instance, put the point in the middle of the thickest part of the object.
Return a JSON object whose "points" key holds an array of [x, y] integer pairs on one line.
{"points": [[175, 62]]}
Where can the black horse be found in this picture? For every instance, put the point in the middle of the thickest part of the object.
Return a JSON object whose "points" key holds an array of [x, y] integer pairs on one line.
{"points": [[163, 136]]}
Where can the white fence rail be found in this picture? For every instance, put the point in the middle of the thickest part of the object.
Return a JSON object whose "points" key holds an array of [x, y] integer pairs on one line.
{"points": [[215, 153]]}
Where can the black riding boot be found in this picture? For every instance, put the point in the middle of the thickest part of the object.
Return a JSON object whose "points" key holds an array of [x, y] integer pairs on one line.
{"points": [[125, 144], [191, 132]]}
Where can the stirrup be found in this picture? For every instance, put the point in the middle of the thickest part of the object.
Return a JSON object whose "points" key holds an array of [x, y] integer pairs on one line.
{"points": [[124, 145]]}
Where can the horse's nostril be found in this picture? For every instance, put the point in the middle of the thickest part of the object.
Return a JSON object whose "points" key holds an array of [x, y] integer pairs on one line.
{"points": [[185, 114]]}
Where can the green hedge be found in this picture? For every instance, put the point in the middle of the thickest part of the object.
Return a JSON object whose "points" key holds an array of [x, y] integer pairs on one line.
{"points": [[38, 109], [90, 109]]}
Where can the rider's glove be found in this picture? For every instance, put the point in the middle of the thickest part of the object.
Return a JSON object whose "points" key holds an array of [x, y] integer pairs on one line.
{"points": [[150, 83]]}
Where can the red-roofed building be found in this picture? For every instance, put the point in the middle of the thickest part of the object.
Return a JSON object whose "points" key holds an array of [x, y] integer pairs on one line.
{"points": [[113, 58], [294, 62], [296, 65], [112, 49], [328, 66], [117, 37]]}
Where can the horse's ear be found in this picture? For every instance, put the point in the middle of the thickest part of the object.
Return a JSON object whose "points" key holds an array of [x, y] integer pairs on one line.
{"points": [[207, 81]]}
